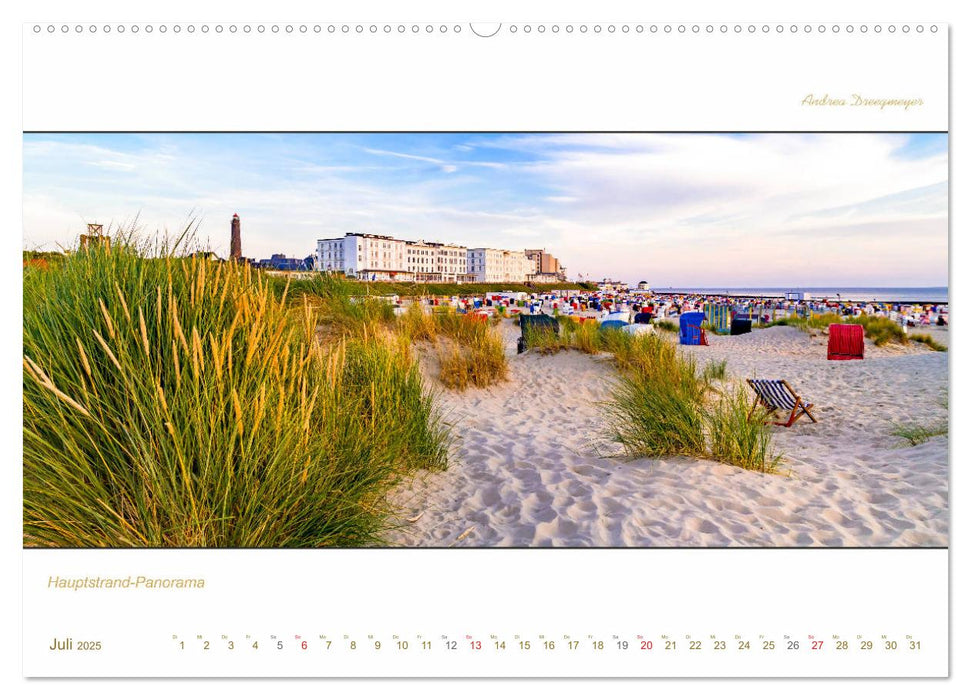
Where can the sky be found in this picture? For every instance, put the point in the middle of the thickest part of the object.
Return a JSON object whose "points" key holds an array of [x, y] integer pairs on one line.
{"points": [[675, 210]]}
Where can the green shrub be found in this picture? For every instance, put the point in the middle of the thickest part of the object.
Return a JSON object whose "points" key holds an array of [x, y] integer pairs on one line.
{"points": [[442, 289]]}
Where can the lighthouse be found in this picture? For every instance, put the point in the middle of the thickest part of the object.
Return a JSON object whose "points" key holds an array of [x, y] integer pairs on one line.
{"points": [[235, 242]]}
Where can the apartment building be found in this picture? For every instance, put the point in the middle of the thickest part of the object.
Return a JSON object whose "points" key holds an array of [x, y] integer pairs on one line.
{"points": [[496, 265], [548, 268], [364, 255], [436, 262], [546, 264]]}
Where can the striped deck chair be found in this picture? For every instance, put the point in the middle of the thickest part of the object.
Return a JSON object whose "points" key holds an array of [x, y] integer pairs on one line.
{"points": [[777, 395]]}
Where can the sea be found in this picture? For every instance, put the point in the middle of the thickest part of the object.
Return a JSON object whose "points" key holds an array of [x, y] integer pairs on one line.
{"points": [[885, 294]]}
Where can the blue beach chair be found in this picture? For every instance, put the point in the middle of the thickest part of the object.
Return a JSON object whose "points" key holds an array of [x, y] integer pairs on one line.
{"points": [[691, 332]]}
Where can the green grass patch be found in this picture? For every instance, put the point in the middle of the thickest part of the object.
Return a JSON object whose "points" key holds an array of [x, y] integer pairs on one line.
{"points": [[917, 433], [715, 369], [928, 340], [417, 289]]}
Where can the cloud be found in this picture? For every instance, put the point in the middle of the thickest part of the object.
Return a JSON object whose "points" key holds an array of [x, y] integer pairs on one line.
{"points": [[112, 165], [675, 209], [447, 166]]}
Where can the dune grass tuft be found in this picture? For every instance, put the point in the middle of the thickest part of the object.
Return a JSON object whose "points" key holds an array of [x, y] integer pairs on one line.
{"points": [[928, 340], [654, 419], [662, 406], [918, 433], [585, 337], [470, 348], [417, 325], [480, 363], [735, 438], [179, 402], [715, 370], [547, 341]]}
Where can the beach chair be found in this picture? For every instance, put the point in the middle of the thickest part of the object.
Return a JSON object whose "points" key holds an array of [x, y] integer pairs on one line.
{"points": [[740, 326], [719, 316], [777, 395], [691, 332], [845, 342]]}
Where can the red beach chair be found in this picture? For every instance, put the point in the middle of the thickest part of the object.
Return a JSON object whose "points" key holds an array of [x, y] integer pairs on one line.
{"points": [[845, 342]]}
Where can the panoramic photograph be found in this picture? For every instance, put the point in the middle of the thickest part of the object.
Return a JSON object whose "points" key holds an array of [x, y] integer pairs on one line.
{"points": [[301, 340]]}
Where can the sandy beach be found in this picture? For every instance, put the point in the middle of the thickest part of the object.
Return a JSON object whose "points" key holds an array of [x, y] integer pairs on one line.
{"points": [[530, 467]]}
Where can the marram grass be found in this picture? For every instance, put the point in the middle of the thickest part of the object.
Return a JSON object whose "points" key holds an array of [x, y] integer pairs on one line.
{"points": [[179, 402], [479, 364], [928, 340], [663, 406], [736, 438], [471, 352], [715, 370], [918, 433]]}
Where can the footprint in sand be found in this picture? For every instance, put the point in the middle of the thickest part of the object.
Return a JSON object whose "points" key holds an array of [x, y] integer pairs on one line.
{"points": [[541, 514], [486, 497], [702, 525], [579, 490], [836, 518]]}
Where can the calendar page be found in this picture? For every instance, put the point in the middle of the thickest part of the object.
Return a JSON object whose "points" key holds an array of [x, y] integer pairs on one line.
{"points": [[417, 347]]}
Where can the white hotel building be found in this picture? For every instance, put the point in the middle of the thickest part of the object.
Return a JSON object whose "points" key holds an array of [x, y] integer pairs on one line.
{"points": [[363, 255], [372, 257], [436, 262], [495, 265]]}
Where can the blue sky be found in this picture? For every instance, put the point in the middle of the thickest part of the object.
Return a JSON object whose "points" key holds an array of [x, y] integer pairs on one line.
{"points": [[674, 209]]}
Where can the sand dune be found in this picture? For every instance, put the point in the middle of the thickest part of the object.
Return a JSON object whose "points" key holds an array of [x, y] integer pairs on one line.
{"points": [[530, 470]]}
